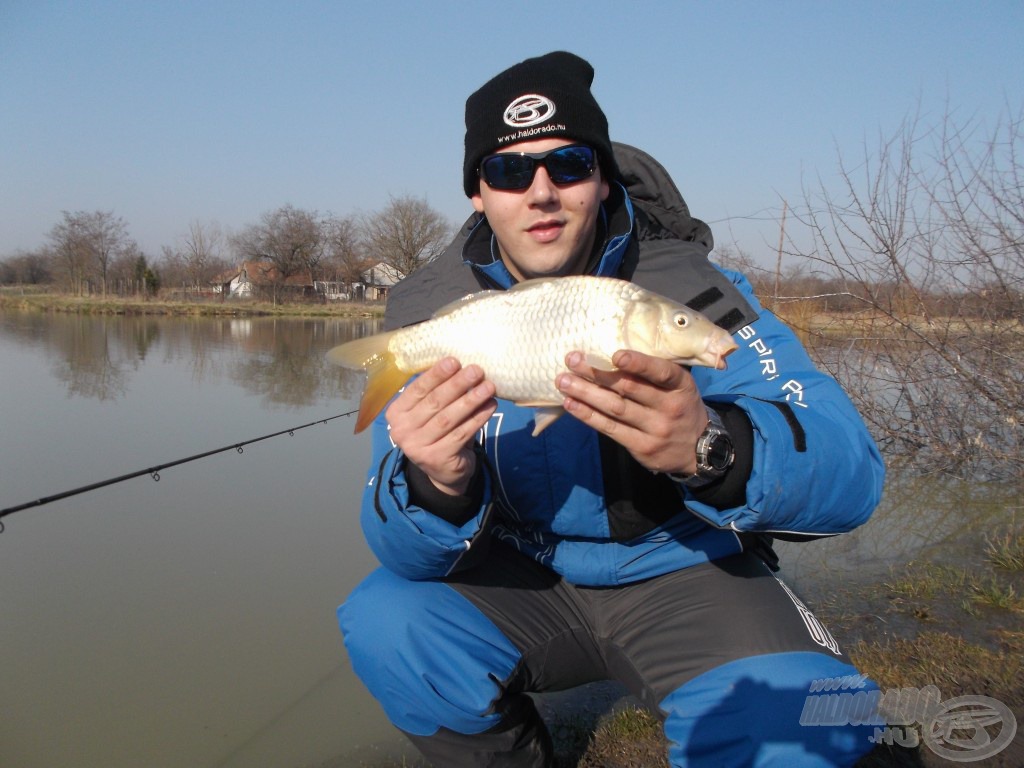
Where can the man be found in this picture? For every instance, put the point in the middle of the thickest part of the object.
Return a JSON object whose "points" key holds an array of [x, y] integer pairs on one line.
{"points": [[631, 542]]}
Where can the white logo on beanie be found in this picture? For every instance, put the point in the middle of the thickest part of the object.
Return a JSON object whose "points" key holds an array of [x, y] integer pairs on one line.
{"points": [[529, 110]]}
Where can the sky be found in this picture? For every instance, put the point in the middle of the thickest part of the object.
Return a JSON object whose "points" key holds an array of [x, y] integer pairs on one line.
{"points": [[168, 113]]}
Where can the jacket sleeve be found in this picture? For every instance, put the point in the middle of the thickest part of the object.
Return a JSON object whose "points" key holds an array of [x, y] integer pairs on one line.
{"points": [[407, 539], [815, 470]]}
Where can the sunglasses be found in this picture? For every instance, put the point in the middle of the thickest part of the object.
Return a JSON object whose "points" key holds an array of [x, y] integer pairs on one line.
{"points": [[515, 170]]}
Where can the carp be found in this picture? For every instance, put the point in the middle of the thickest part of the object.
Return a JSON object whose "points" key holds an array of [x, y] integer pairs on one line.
{"points": [[520, 338]]}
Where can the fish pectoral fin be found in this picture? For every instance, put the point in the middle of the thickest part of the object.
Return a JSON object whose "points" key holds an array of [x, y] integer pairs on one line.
{"points": [[545, 417], [599, 362]]}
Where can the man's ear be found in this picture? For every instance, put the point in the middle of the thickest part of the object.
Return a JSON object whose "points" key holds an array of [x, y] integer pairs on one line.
{"points": [[478, 203]]}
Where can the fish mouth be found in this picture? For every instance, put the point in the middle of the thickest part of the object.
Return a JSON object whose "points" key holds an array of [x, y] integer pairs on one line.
{"points": [[718, 349]]}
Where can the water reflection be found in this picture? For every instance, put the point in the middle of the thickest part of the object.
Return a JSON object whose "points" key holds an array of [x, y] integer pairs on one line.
{"points": [[920, 517], [188, 621], [281, 360]]}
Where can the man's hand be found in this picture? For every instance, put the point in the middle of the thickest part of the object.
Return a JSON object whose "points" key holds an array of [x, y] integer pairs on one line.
{"points": [[648, 405], [436, 417]]}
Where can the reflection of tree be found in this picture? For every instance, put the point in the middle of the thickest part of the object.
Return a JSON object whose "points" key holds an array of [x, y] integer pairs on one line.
{"points": [[290, 367], [88, 364], [145, 334], [204, 344], [92, 355], [341, 383], [281, 360]]}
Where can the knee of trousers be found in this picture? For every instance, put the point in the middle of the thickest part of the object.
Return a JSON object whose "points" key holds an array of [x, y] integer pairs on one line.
{"points": [[768, 710], [429, 656]]}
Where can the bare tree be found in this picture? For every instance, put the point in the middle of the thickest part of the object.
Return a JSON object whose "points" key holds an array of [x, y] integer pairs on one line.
{"points": [[203, 252], [738, 260], [85, 243], [927, 235], [289, 239], [27, 268], [196, 259], [344, 250], [132, 274], [407, 234]]}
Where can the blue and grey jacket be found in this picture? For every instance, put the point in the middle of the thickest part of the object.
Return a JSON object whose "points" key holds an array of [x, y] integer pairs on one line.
{"points": [[579, 503]]}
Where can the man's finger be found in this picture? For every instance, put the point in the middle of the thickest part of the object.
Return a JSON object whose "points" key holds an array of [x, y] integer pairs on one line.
{"points": [[660, 372]]}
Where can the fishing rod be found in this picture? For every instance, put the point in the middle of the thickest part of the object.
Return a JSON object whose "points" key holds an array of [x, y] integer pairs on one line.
{"points": [[154, 472]]}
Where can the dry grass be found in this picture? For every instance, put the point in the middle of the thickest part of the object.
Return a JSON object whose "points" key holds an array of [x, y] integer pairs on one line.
{"points": [[112, 305]]}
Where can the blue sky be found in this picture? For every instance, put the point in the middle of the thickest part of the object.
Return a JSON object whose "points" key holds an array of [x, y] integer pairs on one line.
{"points": [[173, 112]]}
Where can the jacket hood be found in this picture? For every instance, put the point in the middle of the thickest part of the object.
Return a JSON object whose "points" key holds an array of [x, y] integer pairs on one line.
{"points": [[651, 188]]}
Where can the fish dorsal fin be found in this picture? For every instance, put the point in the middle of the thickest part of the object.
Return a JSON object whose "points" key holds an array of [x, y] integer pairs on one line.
{"points": [[465, 301]]}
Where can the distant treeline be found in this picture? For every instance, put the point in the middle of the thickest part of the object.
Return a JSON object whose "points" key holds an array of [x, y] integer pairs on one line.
{"points": [[92, 252]]}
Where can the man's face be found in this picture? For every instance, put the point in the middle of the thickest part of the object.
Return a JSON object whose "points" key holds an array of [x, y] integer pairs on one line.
{"points": [[545, 230]]}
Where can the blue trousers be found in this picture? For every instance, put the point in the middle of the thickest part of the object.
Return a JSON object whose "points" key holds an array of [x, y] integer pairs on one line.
{"points": [[724, 653]]}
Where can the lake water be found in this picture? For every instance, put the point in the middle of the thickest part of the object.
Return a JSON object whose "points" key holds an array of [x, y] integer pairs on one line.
{"points": [[188, 621], [191, 621]]}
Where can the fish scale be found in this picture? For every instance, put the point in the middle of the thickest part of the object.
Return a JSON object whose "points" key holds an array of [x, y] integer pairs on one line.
{"points": [[522, 345]]}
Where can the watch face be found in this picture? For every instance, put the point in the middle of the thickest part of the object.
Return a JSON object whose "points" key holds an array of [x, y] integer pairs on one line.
{"points": [[720, 452]]}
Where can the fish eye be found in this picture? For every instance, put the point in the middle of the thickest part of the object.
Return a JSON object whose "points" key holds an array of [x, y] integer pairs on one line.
{"points": [[681, 319]]}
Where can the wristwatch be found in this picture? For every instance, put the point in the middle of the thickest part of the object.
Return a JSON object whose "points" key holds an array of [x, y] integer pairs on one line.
{"points": [[715, 453]]}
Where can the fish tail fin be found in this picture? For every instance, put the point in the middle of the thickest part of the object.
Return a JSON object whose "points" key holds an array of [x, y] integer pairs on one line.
{"points": [[383, 376], [360, 353], [383, 380]]}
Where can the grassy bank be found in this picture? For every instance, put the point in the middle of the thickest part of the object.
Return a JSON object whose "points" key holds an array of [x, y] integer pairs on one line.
{"points": [[114, 305]]}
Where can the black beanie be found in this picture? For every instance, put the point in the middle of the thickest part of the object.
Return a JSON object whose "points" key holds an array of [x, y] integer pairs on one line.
{"points": [[535, 99]]}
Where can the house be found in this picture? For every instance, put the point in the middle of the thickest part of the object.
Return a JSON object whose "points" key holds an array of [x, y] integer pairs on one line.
{"points": [[332, 290], [376, 281], [262, 279]]}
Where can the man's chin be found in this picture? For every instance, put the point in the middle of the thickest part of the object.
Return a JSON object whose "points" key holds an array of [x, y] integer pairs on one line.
{"points": [[549, 269]]}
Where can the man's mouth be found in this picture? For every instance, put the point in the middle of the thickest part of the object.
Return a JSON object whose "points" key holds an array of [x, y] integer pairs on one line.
{"points": [[546, 231]]}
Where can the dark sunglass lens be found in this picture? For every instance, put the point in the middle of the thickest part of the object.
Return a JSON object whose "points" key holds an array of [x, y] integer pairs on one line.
{"points": [[565, 165], [570, 164], [507, 171]]}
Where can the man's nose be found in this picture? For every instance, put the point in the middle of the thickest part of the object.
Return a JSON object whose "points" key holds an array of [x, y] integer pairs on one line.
{"points": [[542, 189]]}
